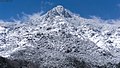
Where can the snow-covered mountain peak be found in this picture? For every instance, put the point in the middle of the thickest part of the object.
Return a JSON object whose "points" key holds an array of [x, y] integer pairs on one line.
{"points": [[62, 32], [59, 8], [59, 11]]}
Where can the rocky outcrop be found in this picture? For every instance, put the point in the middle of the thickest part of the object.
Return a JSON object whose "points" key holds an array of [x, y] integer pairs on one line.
{"points": [[7, 63]]}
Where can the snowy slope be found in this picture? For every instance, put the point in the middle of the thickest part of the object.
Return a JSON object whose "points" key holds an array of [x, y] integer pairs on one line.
{"points": [[60, 33]]}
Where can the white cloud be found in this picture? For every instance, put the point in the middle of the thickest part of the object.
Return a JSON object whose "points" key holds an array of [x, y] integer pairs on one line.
{"points": [[35, 16]]}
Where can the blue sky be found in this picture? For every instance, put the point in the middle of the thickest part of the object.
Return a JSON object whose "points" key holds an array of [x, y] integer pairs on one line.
{"points": [[106, 9]]}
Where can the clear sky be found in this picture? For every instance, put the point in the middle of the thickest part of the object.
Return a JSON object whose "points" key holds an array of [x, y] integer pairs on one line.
{"points": [[106, 9]]}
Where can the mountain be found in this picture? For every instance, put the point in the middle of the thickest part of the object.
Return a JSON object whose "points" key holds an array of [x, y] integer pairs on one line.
{"points": [[61, 39]]}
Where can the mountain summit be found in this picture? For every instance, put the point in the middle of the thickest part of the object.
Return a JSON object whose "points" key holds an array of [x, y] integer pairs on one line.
{"points": [[59, 11]]}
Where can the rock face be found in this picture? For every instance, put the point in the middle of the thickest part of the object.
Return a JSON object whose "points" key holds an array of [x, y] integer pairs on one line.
{"points": [[72, 63], [69, 62], [59, 39], [7, 63]]}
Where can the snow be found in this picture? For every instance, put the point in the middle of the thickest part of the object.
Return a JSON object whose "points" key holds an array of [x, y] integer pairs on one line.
{"points": [[89, 39]]}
